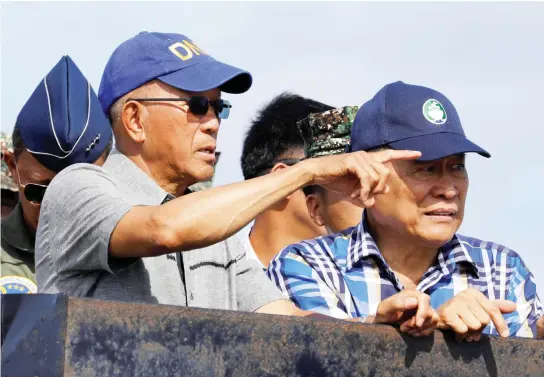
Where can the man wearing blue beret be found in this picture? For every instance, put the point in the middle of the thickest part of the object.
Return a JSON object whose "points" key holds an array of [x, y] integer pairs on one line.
{"points": [[61, 124], [131, 231], [407, 239]]}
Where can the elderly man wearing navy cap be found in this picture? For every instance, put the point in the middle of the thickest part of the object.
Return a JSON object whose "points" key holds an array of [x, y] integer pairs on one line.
{"points": [[407, 237], [61, 124], [131, 231]]}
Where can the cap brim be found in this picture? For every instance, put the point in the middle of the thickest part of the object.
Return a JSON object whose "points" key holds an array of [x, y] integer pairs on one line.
{"points": [[209, 75], [439, 145]]}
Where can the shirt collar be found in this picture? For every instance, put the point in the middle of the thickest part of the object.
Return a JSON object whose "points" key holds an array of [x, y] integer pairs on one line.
{"points": [[362, 246], [138, 185], [454, 253], [167, 198], [15, 231], [248, 248]]}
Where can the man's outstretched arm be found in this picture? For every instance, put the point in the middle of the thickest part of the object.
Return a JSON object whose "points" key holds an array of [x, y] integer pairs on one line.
{"points": [[207, 217]]}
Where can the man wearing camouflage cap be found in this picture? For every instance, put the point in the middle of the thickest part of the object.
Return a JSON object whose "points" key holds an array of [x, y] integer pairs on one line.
{"points": [[325, 134], [273, 143], [61, 124]]}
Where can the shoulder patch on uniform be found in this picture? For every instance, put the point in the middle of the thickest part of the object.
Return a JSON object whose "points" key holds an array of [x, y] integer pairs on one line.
{"points": [[17, 284]]}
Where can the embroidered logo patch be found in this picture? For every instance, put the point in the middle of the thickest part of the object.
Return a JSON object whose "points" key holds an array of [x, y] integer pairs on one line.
{"points": [[17, 284], [434, 112]]}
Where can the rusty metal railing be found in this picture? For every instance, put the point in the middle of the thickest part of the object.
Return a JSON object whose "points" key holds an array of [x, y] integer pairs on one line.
{"points": [[53, 336]]}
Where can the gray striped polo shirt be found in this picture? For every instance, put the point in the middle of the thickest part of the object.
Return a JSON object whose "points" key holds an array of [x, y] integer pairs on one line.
{"points": [[80, 210]]}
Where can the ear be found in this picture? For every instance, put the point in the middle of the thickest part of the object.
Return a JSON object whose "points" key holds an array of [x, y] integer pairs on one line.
{"points": [[9, 158], [314, 205], [133, 119], [279, 167]]}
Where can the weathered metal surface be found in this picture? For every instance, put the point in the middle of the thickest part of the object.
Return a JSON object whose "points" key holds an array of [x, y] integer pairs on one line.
{"points": [[33, 333], [121, 339]]}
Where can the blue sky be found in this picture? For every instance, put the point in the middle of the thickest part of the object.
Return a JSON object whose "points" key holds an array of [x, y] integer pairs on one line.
{"points": [[486, 57]]}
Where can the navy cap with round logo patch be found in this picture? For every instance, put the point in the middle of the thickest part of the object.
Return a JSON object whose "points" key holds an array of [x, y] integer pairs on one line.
{"points": [[171, 58], [412, 117]]}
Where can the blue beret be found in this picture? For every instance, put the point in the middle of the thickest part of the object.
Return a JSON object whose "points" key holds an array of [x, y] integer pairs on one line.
{"points": [[62, 122]]}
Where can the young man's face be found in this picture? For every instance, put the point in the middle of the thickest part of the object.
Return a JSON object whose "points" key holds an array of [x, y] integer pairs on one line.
{"points": [[332, 210], [426, 201], [295, 207]]}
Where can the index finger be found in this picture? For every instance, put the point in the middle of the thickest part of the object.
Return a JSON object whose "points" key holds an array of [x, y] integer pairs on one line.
{"points": [[424, 310], [391, 155], [496, 316]]}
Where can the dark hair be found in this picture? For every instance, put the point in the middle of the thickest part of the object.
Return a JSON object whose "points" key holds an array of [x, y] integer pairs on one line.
{"points": [[19, 146], [311, 189], [273, 134], [108, 148], [17, 142]]}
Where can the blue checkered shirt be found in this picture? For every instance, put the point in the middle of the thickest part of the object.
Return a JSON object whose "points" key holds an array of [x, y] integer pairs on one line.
{"points": [[344, 275]]}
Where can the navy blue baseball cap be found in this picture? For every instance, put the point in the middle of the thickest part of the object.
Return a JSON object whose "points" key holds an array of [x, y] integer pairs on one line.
{"points": [[411, 117], [62, 122], [171, 58]]}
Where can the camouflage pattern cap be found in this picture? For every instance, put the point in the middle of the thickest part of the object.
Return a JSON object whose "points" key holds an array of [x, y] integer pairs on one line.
{"points": [[6, 179], [329, 132]]}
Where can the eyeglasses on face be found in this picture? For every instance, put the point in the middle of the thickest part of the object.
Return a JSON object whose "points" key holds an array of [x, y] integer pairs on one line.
{"points": [[198, 105], [33, 192]]}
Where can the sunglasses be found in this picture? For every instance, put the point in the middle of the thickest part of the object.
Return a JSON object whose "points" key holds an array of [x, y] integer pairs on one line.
{"points": [[34, 192], [198, 105]]}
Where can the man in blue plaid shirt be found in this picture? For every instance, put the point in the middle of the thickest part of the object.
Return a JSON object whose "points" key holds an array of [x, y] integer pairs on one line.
{"points": [[407, 237]]}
